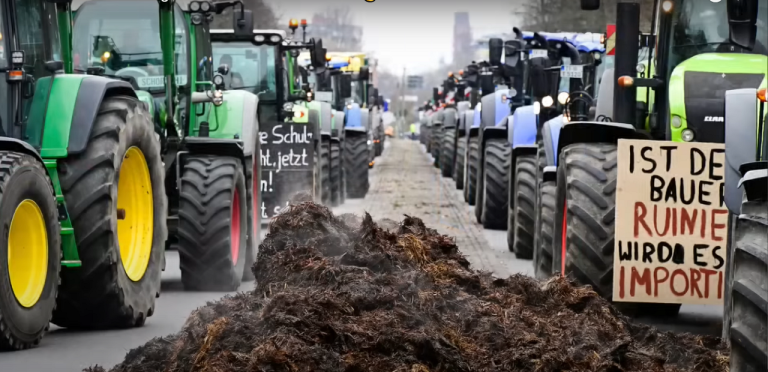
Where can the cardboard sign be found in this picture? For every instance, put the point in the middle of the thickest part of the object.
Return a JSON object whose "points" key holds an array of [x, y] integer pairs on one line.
{"points": [[286, 164], [671, 223]]}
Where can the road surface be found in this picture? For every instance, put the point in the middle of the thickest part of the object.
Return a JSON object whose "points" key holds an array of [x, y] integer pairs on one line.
{"points": [[402, 182]]}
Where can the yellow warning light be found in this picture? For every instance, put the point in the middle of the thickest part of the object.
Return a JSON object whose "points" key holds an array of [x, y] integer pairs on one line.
{"points": [[327, 58], [762, 95], [293, 24], [105, 57]]}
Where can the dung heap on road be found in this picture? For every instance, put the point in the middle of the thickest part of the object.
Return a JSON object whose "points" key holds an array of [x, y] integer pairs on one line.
{"points": [[347, 294]]}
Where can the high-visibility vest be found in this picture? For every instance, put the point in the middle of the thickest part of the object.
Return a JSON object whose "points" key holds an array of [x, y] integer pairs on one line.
{"points": [[413, 128]]}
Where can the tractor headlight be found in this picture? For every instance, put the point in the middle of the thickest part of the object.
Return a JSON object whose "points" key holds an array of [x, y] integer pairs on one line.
{"points": [[194, 6], [259, 38], [218, 80], [640, 68], [275, 38], [676, 121], [288, 107], [547, 101], [205, 6], [687, 135], [562, 97], [597, 56]]}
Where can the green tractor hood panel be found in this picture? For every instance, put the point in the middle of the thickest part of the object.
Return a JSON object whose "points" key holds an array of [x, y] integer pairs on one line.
{"points": [[698, 86]]}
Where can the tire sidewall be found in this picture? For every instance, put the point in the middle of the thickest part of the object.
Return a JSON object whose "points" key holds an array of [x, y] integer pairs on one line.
{"points": [[139, 132], [239, 186], [29, 182], [560, 194]]}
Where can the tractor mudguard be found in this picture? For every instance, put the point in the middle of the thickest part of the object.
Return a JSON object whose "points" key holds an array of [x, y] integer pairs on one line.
{"points": [[550, 134], [215, 146], [92, 92], [474, 131], [522, 127], [353, 118], [741, 113], [550, 173], [596, 132], [237, 119], [326, 115], [338, 123], [755, 183], [465, 122], [210, 146], [13, 144], [492, 132]]}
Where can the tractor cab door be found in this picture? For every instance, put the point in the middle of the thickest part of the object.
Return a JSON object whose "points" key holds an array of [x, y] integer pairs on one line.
{"points": [[35, 32]]}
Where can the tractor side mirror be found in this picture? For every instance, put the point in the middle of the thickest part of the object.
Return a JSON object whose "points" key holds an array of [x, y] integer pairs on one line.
{"points": [[495, 48], [242, 22], [345, 86], [364, 74], [486, 84], [317, 54], [742, 22], [590, 4], [218, 81], [223, 69]]}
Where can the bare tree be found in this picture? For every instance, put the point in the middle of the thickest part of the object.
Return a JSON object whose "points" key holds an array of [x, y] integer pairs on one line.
{"points": [[566, 15], [263, 16], [338, 30]]}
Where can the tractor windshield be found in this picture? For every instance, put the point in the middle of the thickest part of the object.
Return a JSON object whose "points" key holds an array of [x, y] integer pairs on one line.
{"points": [[251, 67], [702, 27], [124, 39]]}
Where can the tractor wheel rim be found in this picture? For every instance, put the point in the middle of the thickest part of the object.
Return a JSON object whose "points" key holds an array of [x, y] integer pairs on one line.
{"points": [[235, 227], [563, 238], [135, 204], [27, 253]]}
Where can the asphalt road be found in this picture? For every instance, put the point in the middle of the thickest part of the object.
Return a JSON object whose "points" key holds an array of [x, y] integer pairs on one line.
{"points": [[64, 350]]}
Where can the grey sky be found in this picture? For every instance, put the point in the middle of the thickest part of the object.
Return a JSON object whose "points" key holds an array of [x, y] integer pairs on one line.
{"points": [[413, 34]]}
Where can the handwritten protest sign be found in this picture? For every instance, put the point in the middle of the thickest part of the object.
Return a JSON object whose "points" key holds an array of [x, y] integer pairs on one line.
{"points": [[286, 164], [671, 223]]}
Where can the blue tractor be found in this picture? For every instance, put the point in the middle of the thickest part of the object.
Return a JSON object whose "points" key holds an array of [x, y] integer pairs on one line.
{"points": [[578, 76], [482, 155]]}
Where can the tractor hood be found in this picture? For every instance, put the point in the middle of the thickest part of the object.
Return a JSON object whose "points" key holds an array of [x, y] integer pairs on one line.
{"points": [[697, 89], [495, 108]]}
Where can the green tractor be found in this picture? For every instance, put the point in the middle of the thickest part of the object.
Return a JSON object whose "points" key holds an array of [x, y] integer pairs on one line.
{"points": [[703, 50], [264, 63], [333, 88], [83, 199], [208, 136]]}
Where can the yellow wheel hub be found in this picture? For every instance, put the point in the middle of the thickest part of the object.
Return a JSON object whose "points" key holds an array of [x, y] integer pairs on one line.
{"points": [[27, 253], [135, 214]]}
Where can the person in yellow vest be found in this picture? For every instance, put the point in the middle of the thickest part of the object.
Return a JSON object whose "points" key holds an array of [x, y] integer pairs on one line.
{"points": [[413, 131]]}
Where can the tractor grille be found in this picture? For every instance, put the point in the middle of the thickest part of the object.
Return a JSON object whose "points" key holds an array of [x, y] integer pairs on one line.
{"points": [[705, 101]]}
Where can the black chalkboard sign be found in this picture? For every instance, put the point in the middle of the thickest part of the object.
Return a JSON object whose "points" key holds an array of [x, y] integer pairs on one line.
{"points": [[287, 161]]}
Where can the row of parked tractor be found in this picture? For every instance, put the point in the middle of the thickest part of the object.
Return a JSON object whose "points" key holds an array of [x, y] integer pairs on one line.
{"points": [[535, 135], [130, 127]]}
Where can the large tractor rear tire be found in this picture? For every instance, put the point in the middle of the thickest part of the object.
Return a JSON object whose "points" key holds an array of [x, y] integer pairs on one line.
{"points": [[544, 230], [458, 172], [212, 223], [437, 136], [252, 244], [335, 161], [448, 153], [325, 171], [495, 192], [522, 210], [470, 187], [317, 189], [356, 163], [30, 251], [115, 194], [749, 290], [584, 222]]}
